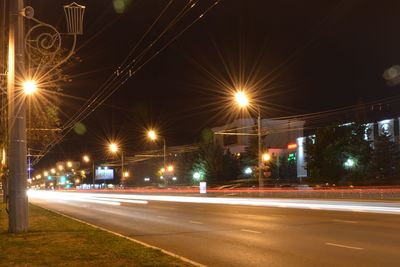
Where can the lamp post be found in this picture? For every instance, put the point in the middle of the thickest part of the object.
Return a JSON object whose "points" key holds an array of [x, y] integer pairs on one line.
{"points": [[46, 45], [153, 136], [113, 147], [86, 159], [29, 88], [243, 101]]}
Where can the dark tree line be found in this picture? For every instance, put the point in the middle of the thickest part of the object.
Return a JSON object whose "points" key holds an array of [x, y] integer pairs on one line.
{"points": [[341, 155]]}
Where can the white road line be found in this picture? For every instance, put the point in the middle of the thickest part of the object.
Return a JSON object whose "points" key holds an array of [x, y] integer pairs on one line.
{"points": [[343, 246], [162, 217], [277, 215], [250, 231], [196, 222], [344, 221]]}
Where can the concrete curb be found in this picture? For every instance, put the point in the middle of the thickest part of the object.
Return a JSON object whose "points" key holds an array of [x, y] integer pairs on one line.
{"points": [[126, 237]]}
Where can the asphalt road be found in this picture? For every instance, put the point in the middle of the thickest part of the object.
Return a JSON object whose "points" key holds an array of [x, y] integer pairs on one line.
{"points": [[237, 235]]}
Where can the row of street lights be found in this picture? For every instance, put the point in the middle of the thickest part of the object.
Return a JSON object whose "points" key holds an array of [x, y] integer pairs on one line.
{"points": [[113, 148]]}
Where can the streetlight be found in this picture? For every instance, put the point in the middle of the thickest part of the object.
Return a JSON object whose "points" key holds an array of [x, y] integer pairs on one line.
{"points": [[243, 101], [113, 147], [266, 157], [29, 87], [86, 159], [153, 136], [44, 42]]}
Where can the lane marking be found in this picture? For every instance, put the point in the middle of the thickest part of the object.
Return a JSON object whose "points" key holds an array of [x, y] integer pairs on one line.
{"points": [[128, 238], [277, 215], [250, 231], [196, 222], [162, 217], [344, 221], [343, 246]]}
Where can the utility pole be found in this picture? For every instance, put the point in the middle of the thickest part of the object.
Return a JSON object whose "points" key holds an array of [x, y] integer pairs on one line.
{"points": [[260, 178], [18, 200], [165, 154], [122, 167], [3, 97]]}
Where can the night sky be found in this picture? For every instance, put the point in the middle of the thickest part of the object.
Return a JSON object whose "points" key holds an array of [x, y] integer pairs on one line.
{"points": [[296, 57]]}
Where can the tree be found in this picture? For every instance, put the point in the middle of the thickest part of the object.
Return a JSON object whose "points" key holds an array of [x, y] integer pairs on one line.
{"points": [[338, 153], [385, 161], [216, 163]]}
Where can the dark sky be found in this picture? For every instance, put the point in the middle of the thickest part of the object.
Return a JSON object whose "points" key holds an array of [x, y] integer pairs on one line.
{"points": [[296, 56]]}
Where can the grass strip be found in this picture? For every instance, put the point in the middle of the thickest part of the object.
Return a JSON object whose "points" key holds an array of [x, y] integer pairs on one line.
{"points": [[54, 240]]}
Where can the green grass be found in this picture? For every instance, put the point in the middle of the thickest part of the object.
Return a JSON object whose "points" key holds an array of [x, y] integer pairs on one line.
{"points": [[54, 240]]}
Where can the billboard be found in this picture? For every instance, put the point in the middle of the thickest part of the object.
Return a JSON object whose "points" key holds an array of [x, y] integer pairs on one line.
{"points": [[104, 174]]}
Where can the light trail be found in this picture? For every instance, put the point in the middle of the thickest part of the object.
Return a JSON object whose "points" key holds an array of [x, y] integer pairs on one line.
{"points": [[372, 207]]}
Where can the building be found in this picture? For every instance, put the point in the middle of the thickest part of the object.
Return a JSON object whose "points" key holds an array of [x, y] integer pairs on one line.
{"points": [[280, 137]]}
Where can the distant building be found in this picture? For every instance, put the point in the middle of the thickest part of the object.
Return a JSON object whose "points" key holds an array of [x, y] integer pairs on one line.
{"points": [[281, 137]]}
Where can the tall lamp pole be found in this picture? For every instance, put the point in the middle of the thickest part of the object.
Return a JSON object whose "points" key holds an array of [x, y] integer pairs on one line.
{"points": [[153, 136], [113, 147], [86, 159], [260, 159], [243, 101], [46, 41], [18, 200], [165, 154]]}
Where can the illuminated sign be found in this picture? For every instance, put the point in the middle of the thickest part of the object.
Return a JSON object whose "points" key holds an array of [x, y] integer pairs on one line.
{"points": [[292, 146], [105, 174], [63, 179]]}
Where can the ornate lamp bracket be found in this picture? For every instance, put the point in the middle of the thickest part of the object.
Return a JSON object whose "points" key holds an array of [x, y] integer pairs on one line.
{"points": [[43, 41]]}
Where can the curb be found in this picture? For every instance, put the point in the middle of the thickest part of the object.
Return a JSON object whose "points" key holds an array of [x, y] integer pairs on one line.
{"points": [[127, 237]]}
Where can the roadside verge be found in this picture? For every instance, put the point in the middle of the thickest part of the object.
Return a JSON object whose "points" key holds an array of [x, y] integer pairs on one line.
{"points": [[56, 240]]}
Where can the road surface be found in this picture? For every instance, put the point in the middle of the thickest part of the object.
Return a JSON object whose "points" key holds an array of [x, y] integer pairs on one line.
{"points": [[243, 235]]}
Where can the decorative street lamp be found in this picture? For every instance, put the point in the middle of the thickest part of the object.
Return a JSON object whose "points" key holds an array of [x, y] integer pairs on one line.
{"points": [[44, 42]]}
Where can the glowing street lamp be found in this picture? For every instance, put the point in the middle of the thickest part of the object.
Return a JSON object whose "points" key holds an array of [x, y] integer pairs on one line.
{"points": [[60, 167], [113, 147], [241, 99], [266, 157], [152, 135], [86, 158], [69, 164], [29, 87], [196, 175], [53, 171], [170, 168]]}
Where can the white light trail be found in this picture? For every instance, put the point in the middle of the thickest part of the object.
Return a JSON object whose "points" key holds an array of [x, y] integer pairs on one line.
{"points": [[372, 207]]}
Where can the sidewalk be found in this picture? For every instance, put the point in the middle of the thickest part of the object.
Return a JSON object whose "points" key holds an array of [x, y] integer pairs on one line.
{"points": [[55, 240]]}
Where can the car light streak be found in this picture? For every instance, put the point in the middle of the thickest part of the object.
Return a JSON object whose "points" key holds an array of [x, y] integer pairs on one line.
{"points": [[67, 197], [372, 207]]}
